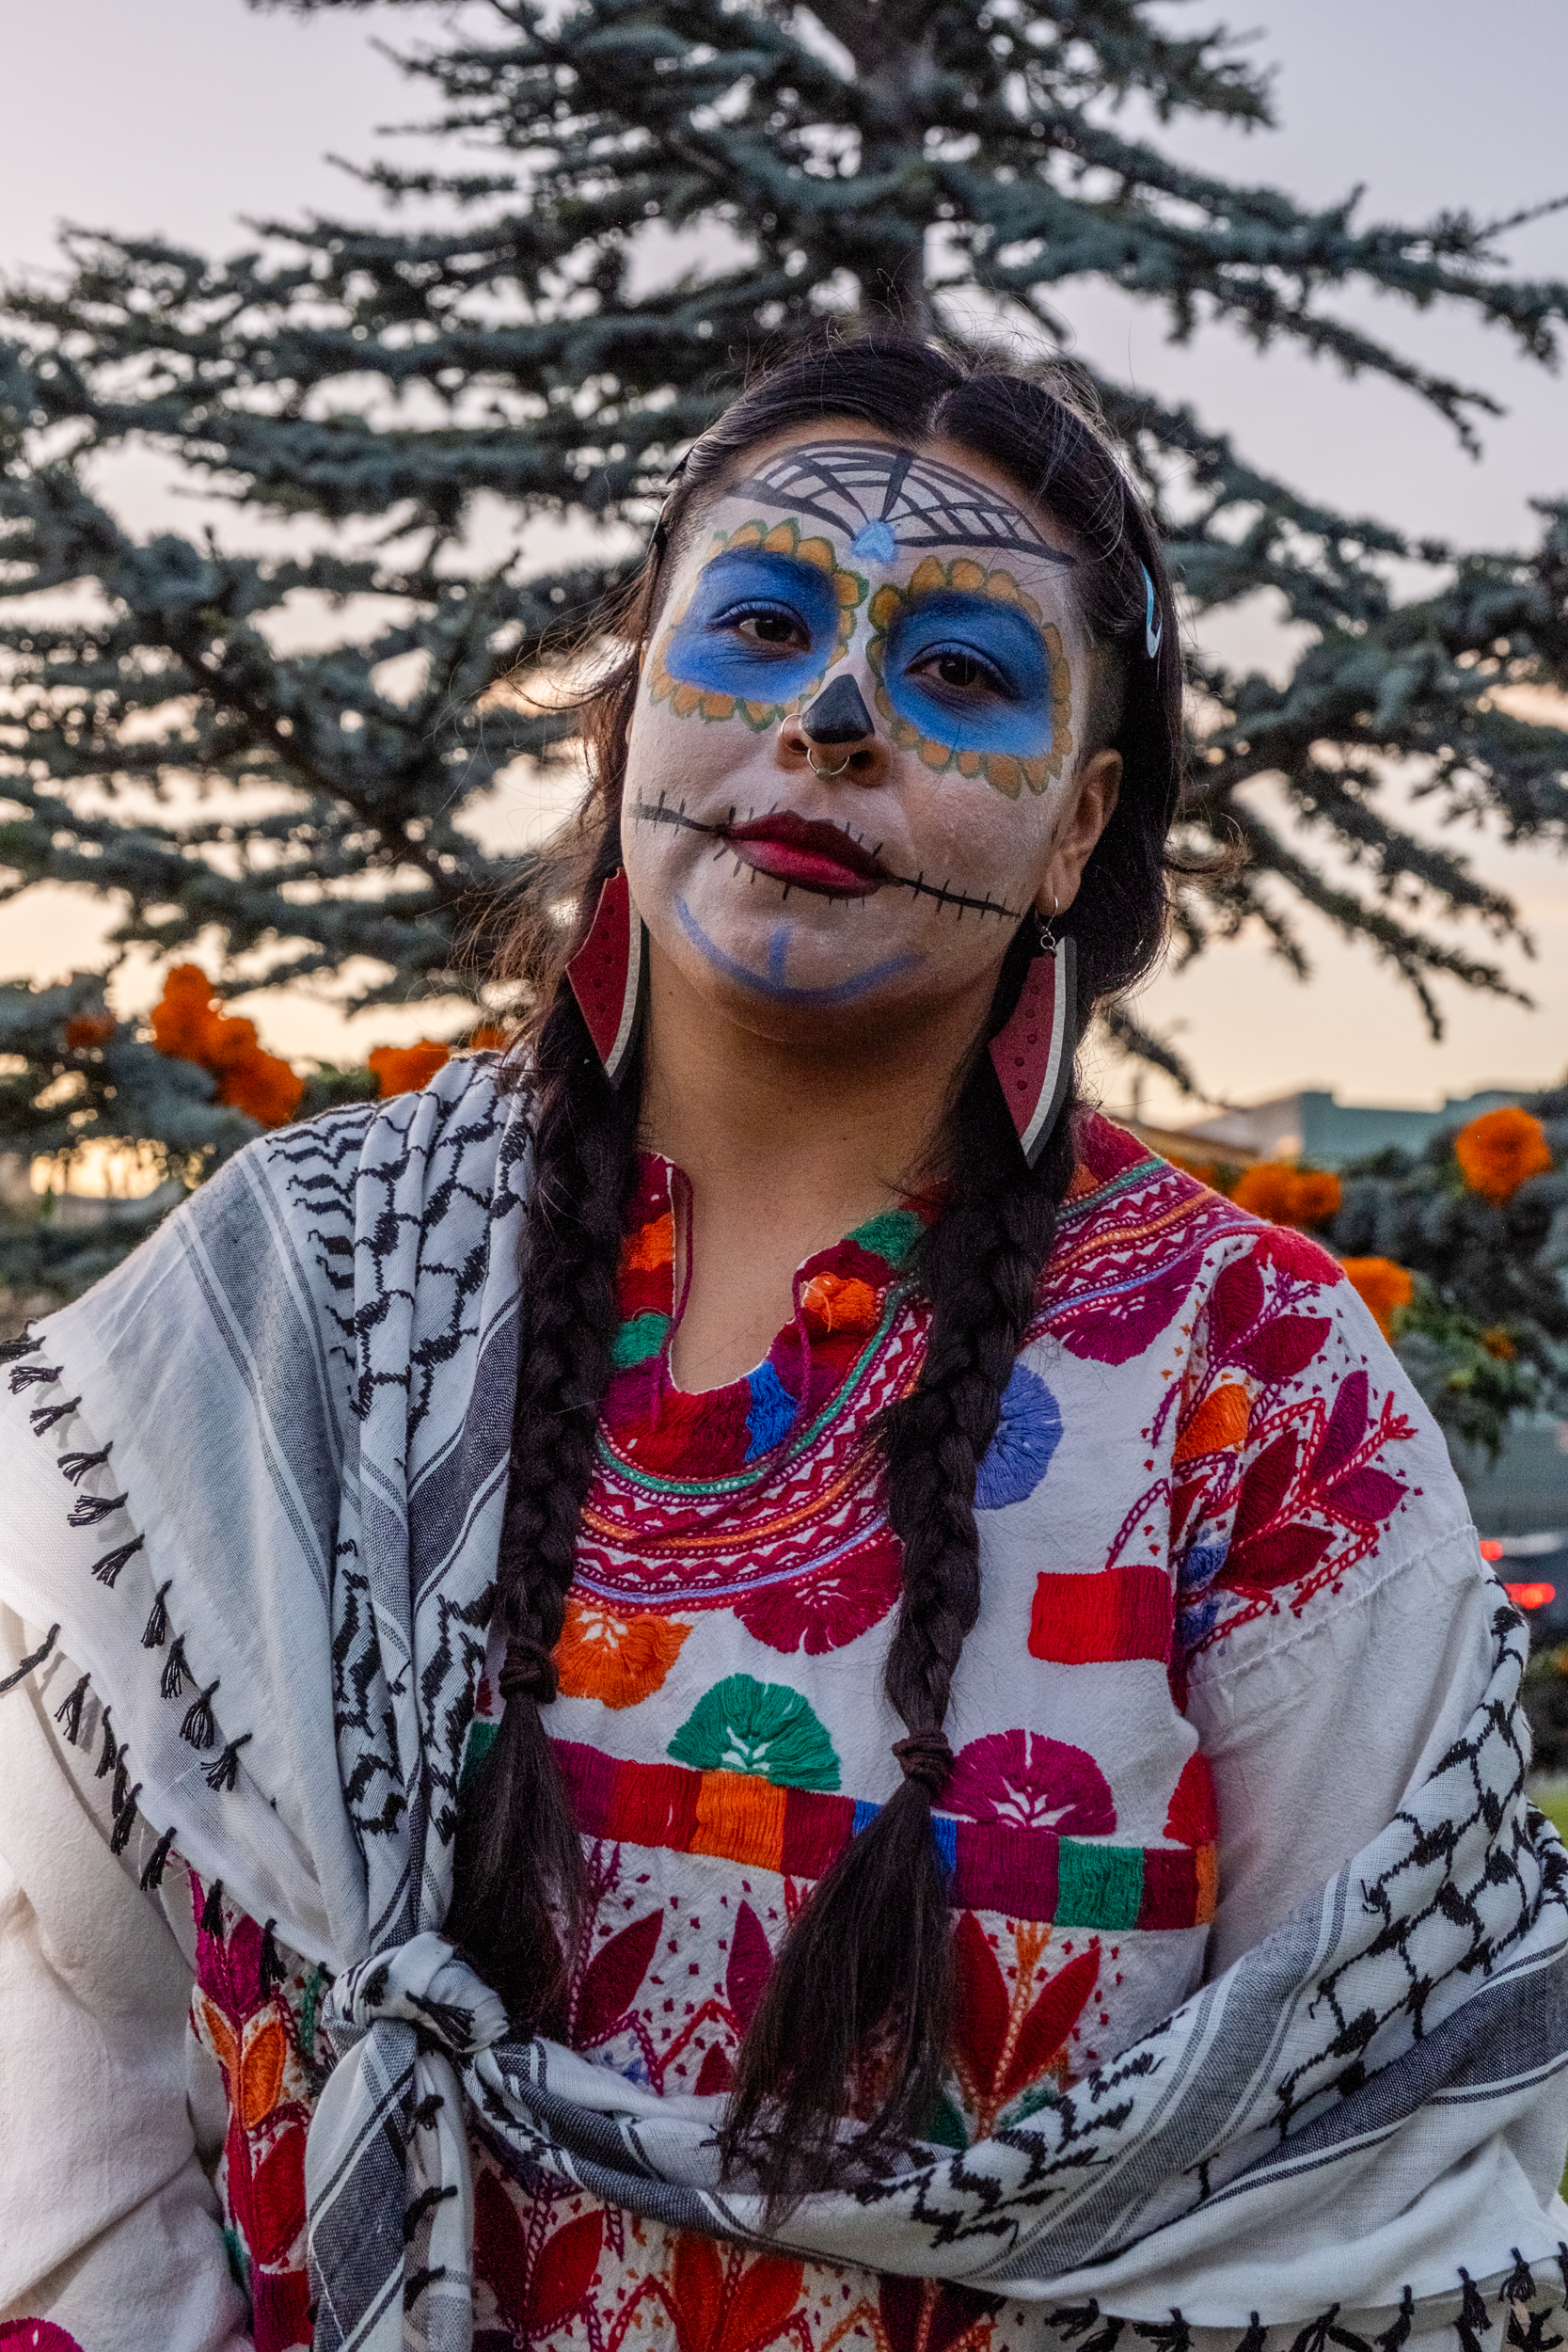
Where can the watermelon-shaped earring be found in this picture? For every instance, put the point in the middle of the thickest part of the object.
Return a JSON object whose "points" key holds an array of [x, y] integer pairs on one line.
{"points": [[609, 977], [1032, 1052]]}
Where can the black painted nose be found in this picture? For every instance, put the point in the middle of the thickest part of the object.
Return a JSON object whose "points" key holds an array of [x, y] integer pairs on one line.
{"points": [[838, 715]]}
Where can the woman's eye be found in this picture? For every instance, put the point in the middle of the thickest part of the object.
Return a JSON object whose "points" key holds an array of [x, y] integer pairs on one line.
{"points": [[770, 629], [964, 672], [773, 626]]}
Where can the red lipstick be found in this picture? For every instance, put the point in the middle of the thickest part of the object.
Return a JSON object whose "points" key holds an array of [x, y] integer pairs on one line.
{"points": [[808, 854]]}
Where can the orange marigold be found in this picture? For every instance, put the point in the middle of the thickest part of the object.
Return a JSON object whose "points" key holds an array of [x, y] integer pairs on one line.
{"points": [[1383, 1286], [189, 1027], [487, 1036], [1497, 1342], [84, 1030], [1498, 1150], [403, 1069], [1287, 1195], [1205, 1171], [184, 1016]]}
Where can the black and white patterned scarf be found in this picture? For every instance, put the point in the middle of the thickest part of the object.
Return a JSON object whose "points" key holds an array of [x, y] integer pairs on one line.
{"points": [[274, 1563]]}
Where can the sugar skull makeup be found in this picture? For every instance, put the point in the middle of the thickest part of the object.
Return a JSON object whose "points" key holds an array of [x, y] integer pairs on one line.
{"points": [[851, 755], [969, 672]]}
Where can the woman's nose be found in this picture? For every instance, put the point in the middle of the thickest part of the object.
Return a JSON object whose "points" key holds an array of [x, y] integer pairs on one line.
{"points": [[836, 736]]}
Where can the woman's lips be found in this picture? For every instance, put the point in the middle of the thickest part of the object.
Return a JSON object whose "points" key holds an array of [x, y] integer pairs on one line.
{"points": [[808, 854]]}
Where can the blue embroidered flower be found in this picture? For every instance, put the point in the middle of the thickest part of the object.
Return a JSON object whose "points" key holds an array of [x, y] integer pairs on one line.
{"points": [[771, 1414], [1198, 1604], [1026, 1437]]}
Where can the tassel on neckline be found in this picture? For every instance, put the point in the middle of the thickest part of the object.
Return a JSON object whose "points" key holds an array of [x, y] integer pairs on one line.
{"points": [[225, 1771], [125, 1822], [76, 1466], [35, 1660], [152, 1877], [200, 1728], [106, 1569], [92, 1510], [157, 1623], [69, 1711], [43, 1417]]}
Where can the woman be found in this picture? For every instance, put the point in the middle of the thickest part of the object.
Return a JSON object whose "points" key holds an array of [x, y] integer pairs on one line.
{"points": [[905, 1742]]}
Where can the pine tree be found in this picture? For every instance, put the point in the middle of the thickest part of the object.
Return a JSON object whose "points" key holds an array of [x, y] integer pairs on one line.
{"points": [[498, 334]]}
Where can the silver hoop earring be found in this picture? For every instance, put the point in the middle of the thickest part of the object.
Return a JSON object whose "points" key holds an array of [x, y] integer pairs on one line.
{"points": [[828, 772], [1045, 928]]}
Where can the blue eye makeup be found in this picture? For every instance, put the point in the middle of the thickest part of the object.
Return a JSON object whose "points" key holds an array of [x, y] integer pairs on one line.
{"points": [[760, 626], [971, 672]]}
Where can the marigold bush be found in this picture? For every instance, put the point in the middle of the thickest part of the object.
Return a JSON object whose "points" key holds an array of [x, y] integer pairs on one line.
{"points": [[1288, 1195], [1500, 1150], [1384, 1287], [402, 1068], [188, 1025]]}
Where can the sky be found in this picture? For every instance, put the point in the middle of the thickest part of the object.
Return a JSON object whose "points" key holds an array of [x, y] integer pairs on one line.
{"points": [[188, 116]]}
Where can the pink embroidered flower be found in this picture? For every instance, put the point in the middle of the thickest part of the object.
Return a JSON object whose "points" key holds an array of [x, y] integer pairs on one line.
{"points": [[828, 1607], [1032, 1781]]}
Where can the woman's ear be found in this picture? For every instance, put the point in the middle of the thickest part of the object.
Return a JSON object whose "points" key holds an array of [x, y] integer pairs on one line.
{"points": [[1096, 790]]}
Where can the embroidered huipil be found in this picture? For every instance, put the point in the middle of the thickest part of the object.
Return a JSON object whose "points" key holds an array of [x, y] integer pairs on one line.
{"points": [[1196, 1436]]}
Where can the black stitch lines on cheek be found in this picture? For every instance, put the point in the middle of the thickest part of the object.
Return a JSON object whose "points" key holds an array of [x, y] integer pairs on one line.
{"points": [[659, 812], [885, 499]]}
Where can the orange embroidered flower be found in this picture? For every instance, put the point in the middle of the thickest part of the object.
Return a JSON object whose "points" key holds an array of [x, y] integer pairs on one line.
{"points": [[646, 1251], [838, 1302], [403, 1069], [1286, 1195], [1218, 1426], [84, 1030], [189, 1027], [1384, 1287], [1498, 1150], [619, 1661]]}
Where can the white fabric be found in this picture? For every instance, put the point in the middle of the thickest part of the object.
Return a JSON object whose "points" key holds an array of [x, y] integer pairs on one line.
{"points": [[108, 2222]]}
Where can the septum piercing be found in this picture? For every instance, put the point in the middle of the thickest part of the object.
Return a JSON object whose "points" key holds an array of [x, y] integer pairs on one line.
{"points": [[826, 772]]}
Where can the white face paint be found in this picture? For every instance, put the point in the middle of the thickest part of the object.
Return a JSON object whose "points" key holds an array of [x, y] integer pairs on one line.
{"points": [[883, 853]]}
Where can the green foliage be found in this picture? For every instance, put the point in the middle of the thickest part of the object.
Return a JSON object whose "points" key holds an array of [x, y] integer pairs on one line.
{"points": [[492, 346], [1487, 1334]]}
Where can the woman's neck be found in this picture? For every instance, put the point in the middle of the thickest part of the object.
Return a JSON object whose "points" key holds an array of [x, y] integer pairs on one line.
{"points": [[788, 1142]]}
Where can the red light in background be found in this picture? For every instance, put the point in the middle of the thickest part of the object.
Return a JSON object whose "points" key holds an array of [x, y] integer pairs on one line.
{"points": [[1530, 1595], [1490, 1549]]}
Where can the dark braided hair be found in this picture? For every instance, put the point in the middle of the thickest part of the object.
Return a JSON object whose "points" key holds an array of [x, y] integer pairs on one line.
{"points": [[842, 2060]]}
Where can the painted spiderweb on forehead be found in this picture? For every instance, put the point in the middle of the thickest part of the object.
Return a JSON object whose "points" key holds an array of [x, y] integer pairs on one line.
{"points": [[886, 499]]}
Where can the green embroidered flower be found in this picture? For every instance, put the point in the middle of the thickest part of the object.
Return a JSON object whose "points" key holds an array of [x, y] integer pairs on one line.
{"points": [[637, 1340], [743, 1726], [892, 1235]]}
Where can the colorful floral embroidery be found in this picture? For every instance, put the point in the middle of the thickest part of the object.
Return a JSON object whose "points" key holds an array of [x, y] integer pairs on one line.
{"points": [[1026, 1437], [743, 1726], [621, 1660], [254, 2008]]}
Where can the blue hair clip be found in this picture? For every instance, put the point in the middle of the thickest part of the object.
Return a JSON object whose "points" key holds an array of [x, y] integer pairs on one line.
{"points": [[1155, 623]]}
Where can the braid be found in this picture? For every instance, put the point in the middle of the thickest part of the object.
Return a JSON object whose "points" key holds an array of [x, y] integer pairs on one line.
{"points": [[517, 1848], [856, 2012]]}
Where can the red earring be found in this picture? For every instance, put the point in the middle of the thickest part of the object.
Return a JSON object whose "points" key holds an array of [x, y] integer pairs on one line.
{"points": [[1032, 1052], [610, 976]]}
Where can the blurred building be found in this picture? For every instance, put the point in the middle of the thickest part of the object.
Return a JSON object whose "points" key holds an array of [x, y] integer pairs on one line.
{"points": [[1312, 1127]]}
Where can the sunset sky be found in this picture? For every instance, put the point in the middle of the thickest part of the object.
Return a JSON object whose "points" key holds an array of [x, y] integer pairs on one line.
{"points": [[185, 115]]}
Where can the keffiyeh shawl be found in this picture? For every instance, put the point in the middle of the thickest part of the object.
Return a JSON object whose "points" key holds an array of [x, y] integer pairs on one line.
{"points": [[276, 1569]]}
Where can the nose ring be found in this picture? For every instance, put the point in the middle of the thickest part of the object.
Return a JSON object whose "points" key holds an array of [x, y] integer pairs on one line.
{"points": [[828, 772]]}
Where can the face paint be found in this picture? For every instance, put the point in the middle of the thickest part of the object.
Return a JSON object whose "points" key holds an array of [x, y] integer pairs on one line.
{"points": [[772, 983], [768, 612], [972, 676], [881, 498]]}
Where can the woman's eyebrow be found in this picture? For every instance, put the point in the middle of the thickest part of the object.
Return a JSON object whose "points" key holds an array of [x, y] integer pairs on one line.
{"points": [[885, 498]]}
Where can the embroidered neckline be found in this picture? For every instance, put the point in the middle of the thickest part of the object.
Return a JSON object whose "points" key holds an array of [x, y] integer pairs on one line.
{"points": [[847, 1300]]}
